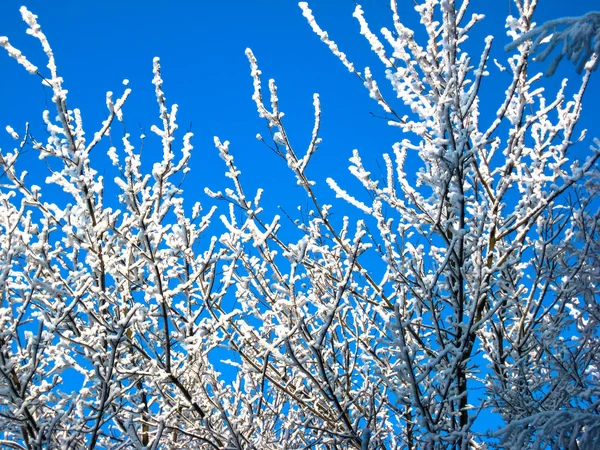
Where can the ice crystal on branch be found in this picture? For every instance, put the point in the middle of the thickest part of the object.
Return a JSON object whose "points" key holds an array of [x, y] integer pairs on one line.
{"points": [[580, 41], [464, 284]]}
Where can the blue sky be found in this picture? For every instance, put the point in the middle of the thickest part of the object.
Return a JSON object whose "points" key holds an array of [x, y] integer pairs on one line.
{"points": [[201, 45]]}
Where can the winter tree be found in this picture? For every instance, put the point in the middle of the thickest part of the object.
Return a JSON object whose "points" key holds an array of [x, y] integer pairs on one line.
{"points": [[467, 290], [580, 41]]}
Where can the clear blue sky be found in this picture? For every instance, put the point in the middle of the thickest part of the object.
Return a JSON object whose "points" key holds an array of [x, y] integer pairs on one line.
{"points": [[201, 44]]}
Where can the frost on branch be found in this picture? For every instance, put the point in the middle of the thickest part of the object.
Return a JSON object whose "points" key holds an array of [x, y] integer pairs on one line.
{"points": [[580, 41], [463, 285], [487, 248]]}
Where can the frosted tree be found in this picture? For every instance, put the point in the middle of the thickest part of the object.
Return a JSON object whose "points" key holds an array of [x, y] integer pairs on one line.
{"points": [[492, 252], [472, 289], [580, 41]]}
